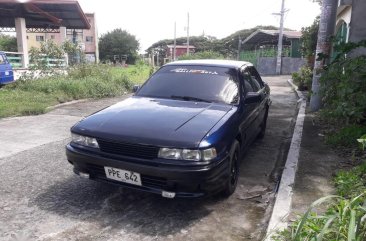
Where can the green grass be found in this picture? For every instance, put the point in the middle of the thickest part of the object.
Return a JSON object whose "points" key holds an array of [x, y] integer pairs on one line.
{"points": [[345, 215], [346, 137], [30, 97]]}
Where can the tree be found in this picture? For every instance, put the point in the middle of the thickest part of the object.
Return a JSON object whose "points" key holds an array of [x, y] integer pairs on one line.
{"points": [[118, 42], [323, 47], [8, 43], [227, 46], [309, 39]]}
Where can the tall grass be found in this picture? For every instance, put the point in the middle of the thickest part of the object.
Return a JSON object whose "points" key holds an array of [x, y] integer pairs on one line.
{"points": [[344, 220], [345, 215], [33, 96]]}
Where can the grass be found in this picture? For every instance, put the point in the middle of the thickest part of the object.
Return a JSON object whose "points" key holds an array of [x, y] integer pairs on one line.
{"points": [[346, 137], [344, 218], [30, 97]]}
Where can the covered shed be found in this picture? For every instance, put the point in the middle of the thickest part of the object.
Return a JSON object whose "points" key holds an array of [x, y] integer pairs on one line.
{"points": [[262, 38], [24, 16]]}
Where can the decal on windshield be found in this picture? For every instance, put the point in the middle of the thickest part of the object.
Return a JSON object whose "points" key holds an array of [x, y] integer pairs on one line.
{"points": [[193, 71]]}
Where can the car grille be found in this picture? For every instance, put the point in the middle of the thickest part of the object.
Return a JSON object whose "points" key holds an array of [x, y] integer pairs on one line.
{"points": [[128, 149], [149, 181]]}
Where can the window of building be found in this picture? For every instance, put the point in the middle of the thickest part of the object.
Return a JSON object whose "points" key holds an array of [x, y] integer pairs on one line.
{"points": [[39, 38], [88, 39], [52, 36]]}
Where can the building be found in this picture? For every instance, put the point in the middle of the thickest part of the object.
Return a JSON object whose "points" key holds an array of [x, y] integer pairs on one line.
{"points": [[260, 48], [179, 51], [350, 22], [87, 39]]}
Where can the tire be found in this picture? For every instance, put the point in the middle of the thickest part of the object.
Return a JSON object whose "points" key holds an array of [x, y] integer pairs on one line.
{"points": [[262, 132], [232, 181]]}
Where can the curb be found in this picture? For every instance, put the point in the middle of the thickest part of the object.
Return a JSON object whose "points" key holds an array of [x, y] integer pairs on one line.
{"points": [[282, 206], [50, 108]]}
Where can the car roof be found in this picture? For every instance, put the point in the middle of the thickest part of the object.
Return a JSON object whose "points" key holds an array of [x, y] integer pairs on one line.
{"points": [[212, 62]]}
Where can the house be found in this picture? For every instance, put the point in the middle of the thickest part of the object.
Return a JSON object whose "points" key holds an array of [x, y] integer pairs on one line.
{"points": [[87, 39], [350, 22], [179, 51], [260, 48]]}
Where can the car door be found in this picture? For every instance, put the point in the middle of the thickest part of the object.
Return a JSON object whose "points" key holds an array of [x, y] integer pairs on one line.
{"points": [[2, 68], [6, 71], [259, 87], [247, 110]]}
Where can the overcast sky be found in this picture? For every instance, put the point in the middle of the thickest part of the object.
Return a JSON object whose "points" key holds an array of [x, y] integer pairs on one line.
{"points": [[153, 20]]}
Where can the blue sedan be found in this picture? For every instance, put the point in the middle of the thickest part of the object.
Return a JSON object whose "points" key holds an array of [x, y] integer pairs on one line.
{"points": [[180, 135], [6, 70]]}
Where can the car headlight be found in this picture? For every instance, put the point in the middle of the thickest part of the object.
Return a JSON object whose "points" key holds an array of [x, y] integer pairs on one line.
{"points": [[84, 140], [187, 154]]}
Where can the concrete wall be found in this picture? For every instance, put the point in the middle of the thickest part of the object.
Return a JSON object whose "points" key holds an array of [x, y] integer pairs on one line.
{"points": [[267, 65]]}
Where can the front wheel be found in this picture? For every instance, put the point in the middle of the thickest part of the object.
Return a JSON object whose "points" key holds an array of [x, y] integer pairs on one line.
{"points": [[232, 180]]}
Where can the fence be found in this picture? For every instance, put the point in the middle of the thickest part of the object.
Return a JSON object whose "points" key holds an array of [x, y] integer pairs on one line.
{"points": [[15, 59], [253, 55]]}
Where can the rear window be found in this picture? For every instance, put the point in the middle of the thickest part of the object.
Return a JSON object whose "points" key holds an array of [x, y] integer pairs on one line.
{"points": [[214, 84]]}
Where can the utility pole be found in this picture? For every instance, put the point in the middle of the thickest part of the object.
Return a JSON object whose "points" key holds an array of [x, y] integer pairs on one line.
{"points": [[175, 41], [188, 33], [323, 45], [280, 38]]}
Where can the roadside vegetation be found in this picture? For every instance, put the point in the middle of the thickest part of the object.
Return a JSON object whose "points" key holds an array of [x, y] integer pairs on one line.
{"points": [[342, 216], [33, 96]]}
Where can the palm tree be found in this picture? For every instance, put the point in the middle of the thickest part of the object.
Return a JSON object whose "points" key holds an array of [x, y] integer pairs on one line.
{"points": [[323, 46]]}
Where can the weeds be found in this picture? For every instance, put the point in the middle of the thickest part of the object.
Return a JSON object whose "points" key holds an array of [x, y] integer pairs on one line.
{"points": [[344, 220], [33, 96], [346, 137]]}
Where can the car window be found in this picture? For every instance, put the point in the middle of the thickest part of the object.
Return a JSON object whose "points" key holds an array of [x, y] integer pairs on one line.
{"points": [[2, 59], [214, 84], [248, 87], [256, 80]]}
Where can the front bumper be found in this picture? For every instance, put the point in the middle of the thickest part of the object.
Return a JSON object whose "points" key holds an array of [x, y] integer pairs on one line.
{"points": [[184, 181]]}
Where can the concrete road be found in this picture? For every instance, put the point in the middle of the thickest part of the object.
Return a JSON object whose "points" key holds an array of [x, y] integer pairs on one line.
{"points": [[41, 198]]}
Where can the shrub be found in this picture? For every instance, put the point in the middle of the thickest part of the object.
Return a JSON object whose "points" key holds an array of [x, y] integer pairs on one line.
{"points": [[303, 78], [343, 86], [347, 136]]}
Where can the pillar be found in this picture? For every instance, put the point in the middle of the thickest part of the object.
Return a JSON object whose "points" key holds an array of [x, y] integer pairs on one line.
{"points": [[21, 31], [62, 40]]}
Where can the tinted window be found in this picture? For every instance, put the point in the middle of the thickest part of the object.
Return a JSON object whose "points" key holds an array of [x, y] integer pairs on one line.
{"points": [[256, 80], [247, 83], [214, 84]]}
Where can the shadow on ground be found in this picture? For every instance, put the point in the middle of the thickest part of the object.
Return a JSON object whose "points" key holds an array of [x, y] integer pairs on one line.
{"points": [[117, 207]]}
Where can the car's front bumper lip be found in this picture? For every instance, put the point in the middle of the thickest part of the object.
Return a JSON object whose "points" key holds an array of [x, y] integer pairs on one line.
{"points": [[186, 181]]}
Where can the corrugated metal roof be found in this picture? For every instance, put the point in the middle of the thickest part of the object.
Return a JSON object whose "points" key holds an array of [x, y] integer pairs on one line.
{"points": [[270, 36], [43, 13]]}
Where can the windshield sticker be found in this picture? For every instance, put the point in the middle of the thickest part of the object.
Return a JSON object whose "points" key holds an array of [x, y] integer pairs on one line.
{"points": [[193, 71]]}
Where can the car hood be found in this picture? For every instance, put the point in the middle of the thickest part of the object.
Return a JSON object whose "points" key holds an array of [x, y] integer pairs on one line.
{"points": [[159, 122]]}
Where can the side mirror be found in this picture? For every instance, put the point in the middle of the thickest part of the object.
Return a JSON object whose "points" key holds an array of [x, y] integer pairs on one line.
{"points": [[135, 88], [252, 97]]}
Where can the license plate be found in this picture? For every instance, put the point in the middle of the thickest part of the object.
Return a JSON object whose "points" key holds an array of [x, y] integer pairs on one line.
{"points": [[6, 72], [123, 175]]}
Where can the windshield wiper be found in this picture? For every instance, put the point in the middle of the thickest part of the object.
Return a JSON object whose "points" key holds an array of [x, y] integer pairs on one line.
{"points": [[189, 98]]}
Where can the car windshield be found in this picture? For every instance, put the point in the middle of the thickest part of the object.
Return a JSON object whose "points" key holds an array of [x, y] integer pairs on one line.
{"points": [[193, 83]]}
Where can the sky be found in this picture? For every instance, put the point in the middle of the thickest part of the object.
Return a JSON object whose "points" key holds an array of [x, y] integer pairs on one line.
{"points": [[153, 20]]}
